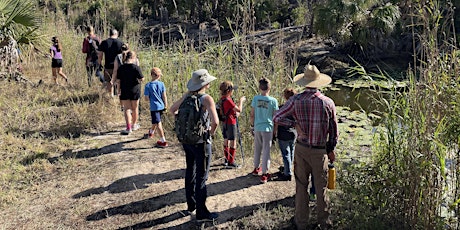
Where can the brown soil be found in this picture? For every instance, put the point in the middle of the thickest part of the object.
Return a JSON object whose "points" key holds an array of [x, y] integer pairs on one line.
{"points": [[122, 182]]}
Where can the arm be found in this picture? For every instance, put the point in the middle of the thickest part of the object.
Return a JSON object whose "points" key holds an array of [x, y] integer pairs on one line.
{"points": [[252, 117], [165, 99], [208, 102], [114, 75], [333, 133], [239, 108], [173, 109]]}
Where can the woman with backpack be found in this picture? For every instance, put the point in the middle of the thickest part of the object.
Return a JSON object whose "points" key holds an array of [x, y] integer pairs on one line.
{"points": [[197, 151], [56, 60]]}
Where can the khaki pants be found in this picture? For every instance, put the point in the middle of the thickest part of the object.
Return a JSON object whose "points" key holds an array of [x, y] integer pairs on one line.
{"points": [[310, 160]]}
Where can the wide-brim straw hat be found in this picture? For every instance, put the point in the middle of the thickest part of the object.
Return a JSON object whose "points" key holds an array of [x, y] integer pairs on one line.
{"points": [[312, 78], [199, 79]]}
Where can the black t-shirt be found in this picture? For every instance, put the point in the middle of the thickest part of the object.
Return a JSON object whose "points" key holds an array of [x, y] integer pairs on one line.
{"points": [[111, 47], [130, 75], [287, 133]]}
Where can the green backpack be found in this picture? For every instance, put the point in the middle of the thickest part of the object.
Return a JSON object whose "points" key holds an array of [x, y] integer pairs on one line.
{"points": [[189, 125]]}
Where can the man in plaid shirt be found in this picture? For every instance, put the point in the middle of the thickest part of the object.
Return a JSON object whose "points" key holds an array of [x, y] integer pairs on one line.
{"points": [[316, 124]]}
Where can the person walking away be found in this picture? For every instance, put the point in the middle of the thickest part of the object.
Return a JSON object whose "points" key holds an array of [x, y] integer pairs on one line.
{"points": [[56, 60], [119, 60], [229, 130], [155, 93], [316, 123], [198, 155], [129, 79], [286, 136], [90, 45], [109, 49], [263, 108]]}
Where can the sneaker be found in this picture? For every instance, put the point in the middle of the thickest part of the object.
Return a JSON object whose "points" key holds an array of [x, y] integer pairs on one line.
{"points": [[234, 165], [312, 197], [126, 131], [265, 177], [136, 127], [225, 162], [161, 144], [283, 177], [210, 217], [256, 171]]}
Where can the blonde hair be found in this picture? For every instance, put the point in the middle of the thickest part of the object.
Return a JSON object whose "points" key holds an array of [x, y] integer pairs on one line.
{"points": [[156, 73]]}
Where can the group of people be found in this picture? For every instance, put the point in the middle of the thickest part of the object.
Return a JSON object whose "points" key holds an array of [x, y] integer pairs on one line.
{"points": [[306, 128]]}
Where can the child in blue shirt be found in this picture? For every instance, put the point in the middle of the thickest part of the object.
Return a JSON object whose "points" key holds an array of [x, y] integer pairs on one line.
{"points": [[155, 92]]}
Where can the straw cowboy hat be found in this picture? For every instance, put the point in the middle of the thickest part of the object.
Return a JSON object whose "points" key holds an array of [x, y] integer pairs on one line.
{"points": [[199, 79], [312, 78]]}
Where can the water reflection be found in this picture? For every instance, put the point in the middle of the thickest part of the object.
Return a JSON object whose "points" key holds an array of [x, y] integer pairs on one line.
{"points": [[354, 98]]}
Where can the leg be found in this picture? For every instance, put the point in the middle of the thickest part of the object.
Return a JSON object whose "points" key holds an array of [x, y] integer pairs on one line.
{"points": [[54, 73], [302, 170], [190, 177], [319, 173], [62, 74], [203, 160], [89, 72], [161, 132], [135, 110], [284, 147], [127, 113], [257, 148], [266, 145]]}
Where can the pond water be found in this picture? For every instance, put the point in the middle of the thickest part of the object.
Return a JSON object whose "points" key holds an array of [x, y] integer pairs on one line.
{"points": [[354, 98]]}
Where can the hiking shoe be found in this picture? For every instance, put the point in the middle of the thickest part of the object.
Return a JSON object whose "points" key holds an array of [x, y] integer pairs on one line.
{"points": [[283, 177], [256, 171], [265, 177], [234, 165], [136, 127], [126, 131], [161, 144], [208, 218]]}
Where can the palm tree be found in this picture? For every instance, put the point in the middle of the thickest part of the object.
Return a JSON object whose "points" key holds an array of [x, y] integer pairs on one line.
{"points": [[18, 24]]}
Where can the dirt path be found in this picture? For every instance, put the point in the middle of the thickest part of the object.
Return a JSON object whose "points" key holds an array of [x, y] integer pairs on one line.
{"points": [[121, 182]]}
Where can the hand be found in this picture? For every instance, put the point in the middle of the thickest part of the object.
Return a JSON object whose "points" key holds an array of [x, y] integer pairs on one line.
{"points": [[243, 99], [331, 156]]}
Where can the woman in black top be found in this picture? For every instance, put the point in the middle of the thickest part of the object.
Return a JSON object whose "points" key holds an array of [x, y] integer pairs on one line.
{"points": [[129, 78]]}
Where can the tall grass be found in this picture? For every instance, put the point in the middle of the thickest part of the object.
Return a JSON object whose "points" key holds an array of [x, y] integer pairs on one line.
{"points": [[411, 182]]}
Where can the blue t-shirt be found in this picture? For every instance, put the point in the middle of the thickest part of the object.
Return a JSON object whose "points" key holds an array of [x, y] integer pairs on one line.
{"points": [[264, 109], [154, 90]]}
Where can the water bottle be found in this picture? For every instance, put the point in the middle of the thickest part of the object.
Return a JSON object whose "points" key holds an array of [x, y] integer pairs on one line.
{"points": [[331, 176]]}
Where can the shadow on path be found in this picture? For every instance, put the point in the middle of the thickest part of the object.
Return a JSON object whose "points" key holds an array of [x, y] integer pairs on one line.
{"points": [[232, 214], [88, 153], [135, 182], [175, 197]]}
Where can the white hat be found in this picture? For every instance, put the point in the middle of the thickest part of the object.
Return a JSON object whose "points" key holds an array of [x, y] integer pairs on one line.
{"points": [[199, 79], [312, 77]]}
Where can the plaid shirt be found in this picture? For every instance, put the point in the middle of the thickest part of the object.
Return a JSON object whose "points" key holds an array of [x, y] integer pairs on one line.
{"points": [[315, 118]]}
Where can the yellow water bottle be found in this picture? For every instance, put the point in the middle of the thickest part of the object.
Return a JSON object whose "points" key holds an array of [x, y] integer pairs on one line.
{"points": [[331, 177]]}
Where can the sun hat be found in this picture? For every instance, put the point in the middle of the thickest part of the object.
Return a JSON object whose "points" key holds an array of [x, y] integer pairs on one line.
{"points": [[312, 78], [199, 79]]}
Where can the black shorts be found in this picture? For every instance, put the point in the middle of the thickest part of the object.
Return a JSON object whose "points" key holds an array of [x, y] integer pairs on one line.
{"points": [[56, 63], [130, 96], [229, 131]]}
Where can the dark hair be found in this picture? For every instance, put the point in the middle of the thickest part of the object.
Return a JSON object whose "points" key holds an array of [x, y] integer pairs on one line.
{"points": [[289, 92], [264, 84], [125, 47], [56, 43], [128, 55]]}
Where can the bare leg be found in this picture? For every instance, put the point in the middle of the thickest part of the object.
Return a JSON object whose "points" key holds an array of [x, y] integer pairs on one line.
{"points": [[135, 107], [54, 72], [62, 74], [127, 113]]}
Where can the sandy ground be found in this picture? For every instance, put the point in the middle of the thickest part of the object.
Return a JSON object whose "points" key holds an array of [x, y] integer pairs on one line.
{"points": [[122, 182]]}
